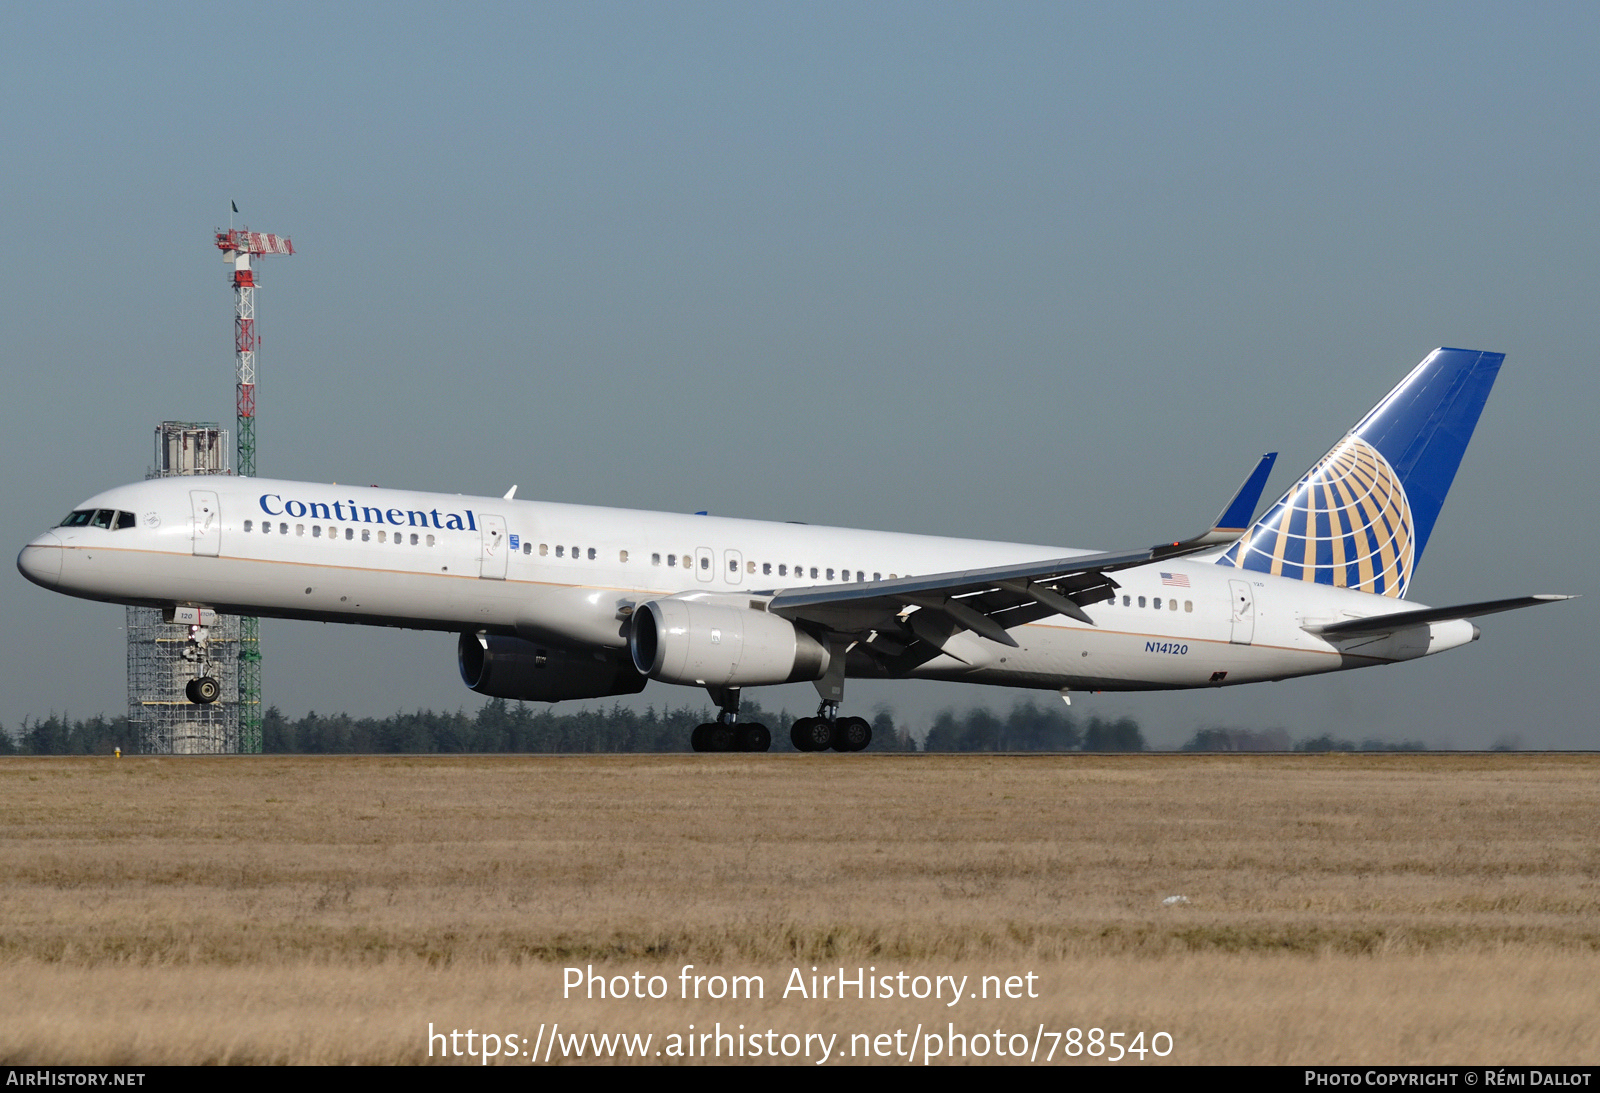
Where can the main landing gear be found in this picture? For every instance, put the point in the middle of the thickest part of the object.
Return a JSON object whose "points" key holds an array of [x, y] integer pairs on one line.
{"points": [[819, 733], [829, 730], [726, 733]]}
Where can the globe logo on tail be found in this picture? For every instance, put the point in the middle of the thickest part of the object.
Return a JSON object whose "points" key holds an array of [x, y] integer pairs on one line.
{"points": [[1347, 523]]}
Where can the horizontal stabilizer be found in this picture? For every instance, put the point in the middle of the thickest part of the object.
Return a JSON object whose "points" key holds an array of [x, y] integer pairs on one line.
{"points": [[1400, 620]]}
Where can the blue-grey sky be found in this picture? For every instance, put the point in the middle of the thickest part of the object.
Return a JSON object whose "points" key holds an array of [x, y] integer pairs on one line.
{"points": [[1044, 273]]}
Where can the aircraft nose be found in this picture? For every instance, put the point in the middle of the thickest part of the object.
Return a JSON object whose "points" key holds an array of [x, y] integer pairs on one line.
{"points": [[40, 560]]}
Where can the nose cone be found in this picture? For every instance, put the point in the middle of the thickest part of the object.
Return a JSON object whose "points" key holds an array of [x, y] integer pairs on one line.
{"points": [[40, 560]]}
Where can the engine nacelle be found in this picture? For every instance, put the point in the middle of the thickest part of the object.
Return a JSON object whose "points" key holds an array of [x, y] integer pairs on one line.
{"points": [[503, 667], [718, 645]]}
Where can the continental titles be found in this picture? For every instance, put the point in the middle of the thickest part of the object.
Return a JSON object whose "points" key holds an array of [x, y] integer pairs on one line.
{"points": [[351, 513]]}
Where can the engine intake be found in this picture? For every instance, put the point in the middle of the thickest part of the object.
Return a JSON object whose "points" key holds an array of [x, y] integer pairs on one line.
{"points": [[505, 667], [715, 644]]}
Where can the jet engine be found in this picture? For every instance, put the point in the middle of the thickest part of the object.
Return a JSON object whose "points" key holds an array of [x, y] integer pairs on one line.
{"points": [[711, 644], [504, 667]]}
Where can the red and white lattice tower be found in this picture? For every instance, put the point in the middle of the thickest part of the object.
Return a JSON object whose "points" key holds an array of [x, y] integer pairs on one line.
{"points": [[239, 246]]}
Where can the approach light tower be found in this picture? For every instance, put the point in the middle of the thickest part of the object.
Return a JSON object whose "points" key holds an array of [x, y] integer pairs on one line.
{"points": [[239, 246]]}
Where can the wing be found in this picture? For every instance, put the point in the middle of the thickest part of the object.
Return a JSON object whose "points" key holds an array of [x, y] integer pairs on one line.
{"points": [[989, 602], [981, 599]]}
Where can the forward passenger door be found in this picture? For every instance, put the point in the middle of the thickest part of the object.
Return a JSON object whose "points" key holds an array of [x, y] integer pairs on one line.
{"points": [[495, 551], [207, 523]]}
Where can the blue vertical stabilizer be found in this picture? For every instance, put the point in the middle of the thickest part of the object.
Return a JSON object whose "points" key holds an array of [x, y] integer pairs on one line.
{"points": [[1361, 517]]}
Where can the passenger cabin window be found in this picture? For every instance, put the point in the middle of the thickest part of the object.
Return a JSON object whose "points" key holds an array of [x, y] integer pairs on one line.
{"points": [[813, 573], [247, 525], [705, 563], [672, 561], [366, 535], [413, 538], [299, 529], [1188, 605], [622, 556], [591, 553], [1141, 601], [561, 552], [655, 559], [766, 569], [783, 570]]}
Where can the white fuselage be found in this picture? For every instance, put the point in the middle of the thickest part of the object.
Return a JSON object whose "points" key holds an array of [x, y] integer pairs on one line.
{"points": [[571, 575]]}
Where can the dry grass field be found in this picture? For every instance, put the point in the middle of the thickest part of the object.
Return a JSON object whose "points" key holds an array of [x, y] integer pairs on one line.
{"points": [[1395, 908]]}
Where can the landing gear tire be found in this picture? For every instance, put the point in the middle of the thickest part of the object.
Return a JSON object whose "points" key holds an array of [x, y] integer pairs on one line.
{"points": [[754, 738], [720, 737], [851, 734], [699, 739], [204, 690], [812, 734], [188, 692]]}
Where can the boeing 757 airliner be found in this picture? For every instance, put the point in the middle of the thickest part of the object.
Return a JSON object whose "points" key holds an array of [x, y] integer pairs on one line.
{"points": [[558, 602]]}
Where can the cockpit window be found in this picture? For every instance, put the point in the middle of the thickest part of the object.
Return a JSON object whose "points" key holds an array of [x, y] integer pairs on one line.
{"points": [[110, 519]]}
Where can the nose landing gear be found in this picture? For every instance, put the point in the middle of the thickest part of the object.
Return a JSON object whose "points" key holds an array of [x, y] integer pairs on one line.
{"points": [[204, 689]]}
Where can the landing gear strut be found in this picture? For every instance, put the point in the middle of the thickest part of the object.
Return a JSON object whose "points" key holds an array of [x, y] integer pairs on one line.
{"points": [[726, 733]]}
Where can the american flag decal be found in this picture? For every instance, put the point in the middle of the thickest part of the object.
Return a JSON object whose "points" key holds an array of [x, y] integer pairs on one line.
{"points": [[1175, 580]]}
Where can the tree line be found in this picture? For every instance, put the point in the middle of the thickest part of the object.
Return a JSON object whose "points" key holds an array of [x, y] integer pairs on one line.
{"points": [[500, 727]]}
